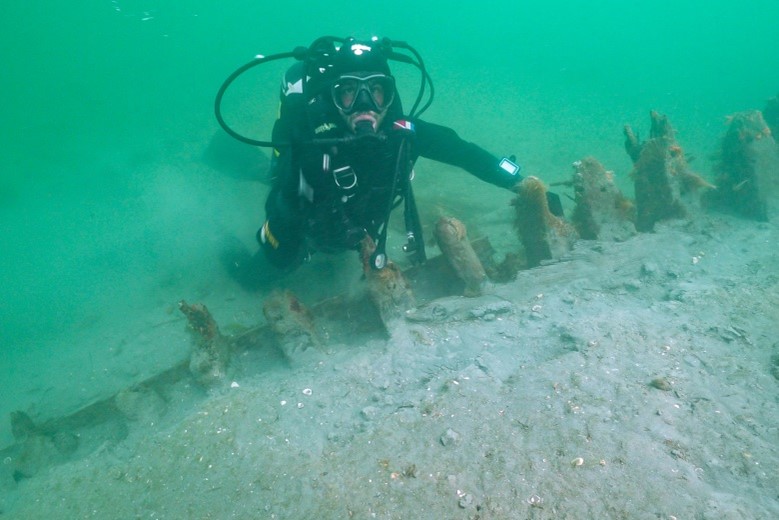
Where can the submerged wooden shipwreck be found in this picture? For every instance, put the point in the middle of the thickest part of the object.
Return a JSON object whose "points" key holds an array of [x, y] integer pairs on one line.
{"points": [[665, 188], [601, 210], [544, 236], [748, 165], [452, 239]]}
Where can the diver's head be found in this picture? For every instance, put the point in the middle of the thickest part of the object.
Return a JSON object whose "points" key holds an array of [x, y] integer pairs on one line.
{"points": [[362, 98], [362, 88]]}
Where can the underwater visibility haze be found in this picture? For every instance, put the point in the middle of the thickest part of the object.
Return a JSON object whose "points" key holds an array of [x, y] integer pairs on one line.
{"points": [[117, 187]]}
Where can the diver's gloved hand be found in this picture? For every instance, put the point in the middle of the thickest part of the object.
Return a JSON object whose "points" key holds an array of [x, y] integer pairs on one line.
{"points": [[281, 236], [252, 272], [510, 172]]}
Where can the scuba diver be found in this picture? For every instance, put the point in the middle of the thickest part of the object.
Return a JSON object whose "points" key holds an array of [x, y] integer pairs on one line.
{"points": [[343, 156]]}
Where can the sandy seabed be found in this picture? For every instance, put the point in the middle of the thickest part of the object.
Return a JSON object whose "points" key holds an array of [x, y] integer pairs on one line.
{"points": [[628, 380]]}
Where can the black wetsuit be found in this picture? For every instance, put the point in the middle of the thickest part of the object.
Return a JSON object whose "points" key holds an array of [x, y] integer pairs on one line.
{"points": [[326, 197]]}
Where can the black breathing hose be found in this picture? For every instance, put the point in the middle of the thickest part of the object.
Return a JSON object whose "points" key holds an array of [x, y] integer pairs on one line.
{"points": [[298, 53], [303, 53], [420, 65]]}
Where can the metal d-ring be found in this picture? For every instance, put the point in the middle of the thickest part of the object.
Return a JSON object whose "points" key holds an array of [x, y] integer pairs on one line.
{"points": [[345, 177]]}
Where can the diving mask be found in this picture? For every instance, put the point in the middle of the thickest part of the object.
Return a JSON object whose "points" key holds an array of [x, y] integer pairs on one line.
{"points": [[373, 93]]}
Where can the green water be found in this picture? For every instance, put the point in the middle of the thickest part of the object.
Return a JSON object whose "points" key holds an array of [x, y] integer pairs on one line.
{"points": [[107, 211]]}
